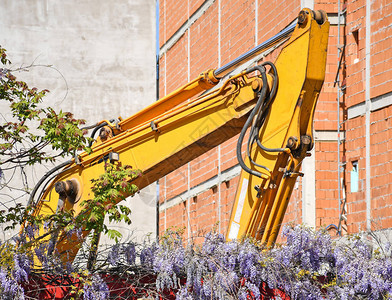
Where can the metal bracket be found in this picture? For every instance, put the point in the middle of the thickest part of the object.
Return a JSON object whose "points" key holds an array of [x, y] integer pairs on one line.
{"points": [[154, 127]]}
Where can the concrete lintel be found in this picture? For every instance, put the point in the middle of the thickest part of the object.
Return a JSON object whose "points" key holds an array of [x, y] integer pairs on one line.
{"points": [[356, 110], [327, 136], [333, 19], [376, 103], [381, 101]]}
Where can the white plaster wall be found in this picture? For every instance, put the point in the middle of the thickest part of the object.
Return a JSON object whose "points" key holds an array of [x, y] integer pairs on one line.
{"points": [[103, 62]]}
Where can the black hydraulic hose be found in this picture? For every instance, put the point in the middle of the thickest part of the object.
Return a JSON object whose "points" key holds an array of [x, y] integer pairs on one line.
{"points": [[48, 181], [89, 126], [45, 177], [257, 117], [252, 136], [261, 114], [260, 101], [271, 95], [258, 165], [62, 165], [261, 117], [268, 149], [95, 131]]}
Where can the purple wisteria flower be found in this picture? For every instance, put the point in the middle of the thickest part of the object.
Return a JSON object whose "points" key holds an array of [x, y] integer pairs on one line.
{"points": [[169, 261], [249, 258], [114, 255], [97, 290], [41, 253], [130, 253], [361, 273], [21, 268], [31, 231], [9, 288], [309, 265], [184, 294], [147, 255]]}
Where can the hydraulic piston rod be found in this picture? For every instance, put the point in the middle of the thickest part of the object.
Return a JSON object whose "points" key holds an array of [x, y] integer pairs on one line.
{"points": [[224, 70], [319, 16]]}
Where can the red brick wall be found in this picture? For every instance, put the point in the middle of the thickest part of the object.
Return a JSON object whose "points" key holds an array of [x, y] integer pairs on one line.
{"points": [[237, 35], [355, 141], [275, 15], [326, 111], [172, 15], [327, 5], [204, 42], [327, 205], [355, 54], [294, 210], [381, 163], [237, 28], [380, 120], [381, 48], [233, 28], [177, 73]]}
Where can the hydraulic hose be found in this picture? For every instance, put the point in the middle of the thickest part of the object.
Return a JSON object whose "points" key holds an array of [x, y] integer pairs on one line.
{"points": [[257, 118], [262, 96], [254, 132], [62, 165], [95, 131], [44, 178]]}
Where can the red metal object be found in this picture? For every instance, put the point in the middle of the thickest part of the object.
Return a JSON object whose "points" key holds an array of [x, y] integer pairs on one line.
{"points": [[51, 287], [123, 286]]}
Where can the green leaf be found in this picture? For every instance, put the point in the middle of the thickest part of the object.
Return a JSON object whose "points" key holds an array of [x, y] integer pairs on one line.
{"points": [[114, 234]]}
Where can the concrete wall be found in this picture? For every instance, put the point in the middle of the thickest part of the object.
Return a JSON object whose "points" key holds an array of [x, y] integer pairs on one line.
{"points": [[102, 57]]}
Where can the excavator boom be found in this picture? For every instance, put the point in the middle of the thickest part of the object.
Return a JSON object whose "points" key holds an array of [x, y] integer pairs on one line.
{"points": [[278, 101]]}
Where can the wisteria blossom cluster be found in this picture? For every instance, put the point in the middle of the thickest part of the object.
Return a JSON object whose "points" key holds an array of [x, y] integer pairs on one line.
{"points": [[97, 289], [9, 287], [309, 265], [12, 278]]}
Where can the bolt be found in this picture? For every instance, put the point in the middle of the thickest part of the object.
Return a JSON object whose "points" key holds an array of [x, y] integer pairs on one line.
{"points": [[291, 142], [257, 84], [320, 16], [105, 133], [305, 139], [302, 17]]}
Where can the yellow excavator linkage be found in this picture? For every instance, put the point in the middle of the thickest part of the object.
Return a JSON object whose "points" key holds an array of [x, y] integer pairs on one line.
{"points": [[260, 203], [276, 101]]}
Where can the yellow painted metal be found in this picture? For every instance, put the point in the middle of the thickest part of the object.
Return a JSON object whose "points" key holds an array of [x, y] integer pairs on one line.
{"points": [[179, 134], [175, 130], [203, 82], [301, 70]]}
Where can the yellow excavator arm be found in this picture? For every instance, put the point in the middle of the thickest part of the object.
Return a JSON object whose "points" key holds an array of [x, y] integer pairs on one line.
{"points": [[276, 100], [278, 146]]}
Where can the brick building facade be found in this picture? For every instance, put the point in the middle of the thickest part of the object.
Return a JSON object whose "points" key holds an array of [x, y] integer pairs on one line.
{"points": [[354, 111]]}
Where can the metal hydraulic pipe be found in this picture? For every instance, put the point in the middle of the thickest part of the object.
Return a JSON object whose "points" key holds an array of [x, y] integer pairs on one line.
{"points": [[224, 70]]}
